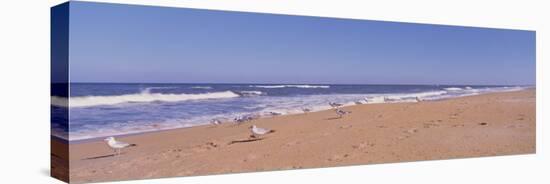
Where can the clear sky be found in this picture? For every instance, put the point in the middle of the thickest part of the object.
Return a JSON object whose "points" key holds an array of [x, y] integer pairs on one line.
{"points": [[123, 43]]}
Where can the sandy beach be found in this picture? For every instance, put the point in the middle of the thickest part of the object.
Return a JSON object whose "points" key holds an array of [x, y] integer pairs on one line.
{"points": [[483, 125]]}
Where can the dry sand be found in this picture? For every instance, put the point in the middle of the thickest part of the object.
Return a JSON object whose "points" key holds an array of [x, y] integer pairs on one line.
{"points": [[483, 125]]}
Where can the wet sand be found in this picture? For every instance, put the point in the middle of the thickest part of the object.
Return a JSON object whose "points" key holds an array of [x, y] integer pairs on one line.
{"points": [[474, 126]]}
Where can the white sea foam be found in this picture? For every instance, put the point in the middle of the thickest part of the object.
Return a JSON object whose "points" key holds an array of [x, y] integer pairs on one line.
{"points": [[251, 93], [270, 87], [144, 96], [419, 95], [121, 128], [201, 87], [375, 99], [291, 86], [453, 89], [148, 89], [403, 97]]}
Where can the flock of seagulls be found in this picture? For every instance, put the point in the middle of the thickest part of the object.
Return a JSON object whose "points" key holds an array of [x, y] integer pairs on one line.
{"points": [[385, 99], [255, 131]]}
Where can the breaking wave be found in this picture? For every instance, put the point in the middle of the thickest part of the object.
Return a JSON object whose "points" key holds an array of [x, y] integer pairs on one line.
{"points": [[201, 87], [453, 89], [251, 93], [144, 96], [291, 86]]}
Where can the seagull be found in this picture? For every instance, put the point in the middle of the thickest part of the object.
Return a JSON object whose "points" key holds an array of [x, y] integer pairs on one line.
{"points": [[242, 119], [334, 105], [251, 117], [418, 99], [216, 122], [275, 113], [117, 145], [306, 110], [257, 131], [341, 112], [367, 100], [239, 119]]}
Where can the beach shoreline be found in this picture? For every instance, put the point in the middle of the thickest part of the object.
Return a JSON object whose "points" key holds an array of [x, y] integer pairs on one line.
{"points": [[228, 120], [500, 123], [136, 108]]}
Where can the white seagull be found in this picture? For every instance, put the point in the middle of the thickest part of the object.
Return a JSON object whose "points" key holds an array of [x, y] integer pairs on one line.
{"points": [[242, 119], [275, 113], [239, 119], [367, 99], [117, 145], [216, 122], [341, 112], [334, 105], [257, 131]]}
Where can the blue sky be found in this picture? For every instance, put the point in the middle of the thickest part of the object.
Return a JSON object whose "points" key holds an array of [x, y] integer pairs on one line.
{"points": [[124, 43]]}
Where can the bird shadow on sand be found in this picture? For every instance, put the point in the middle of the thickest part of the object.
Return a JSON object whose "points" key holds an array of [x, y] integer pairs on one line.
{"points": [[333, 118], [98, 157], [245, 140]]}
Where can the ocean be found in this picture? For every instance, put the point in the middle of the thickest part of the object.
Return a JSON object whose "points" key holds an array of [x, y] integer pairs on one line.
{"points": [[109, 109]]}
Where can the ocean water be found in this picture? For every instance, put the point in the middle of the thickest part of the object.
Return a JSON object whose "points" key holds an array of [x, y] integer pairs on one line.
{"points": [[99, 110]]}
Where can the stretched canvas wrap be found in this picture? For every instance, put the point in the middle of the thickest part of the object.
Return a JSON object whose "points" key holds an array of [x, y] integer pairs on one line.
{"points": [[142, 92]]}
